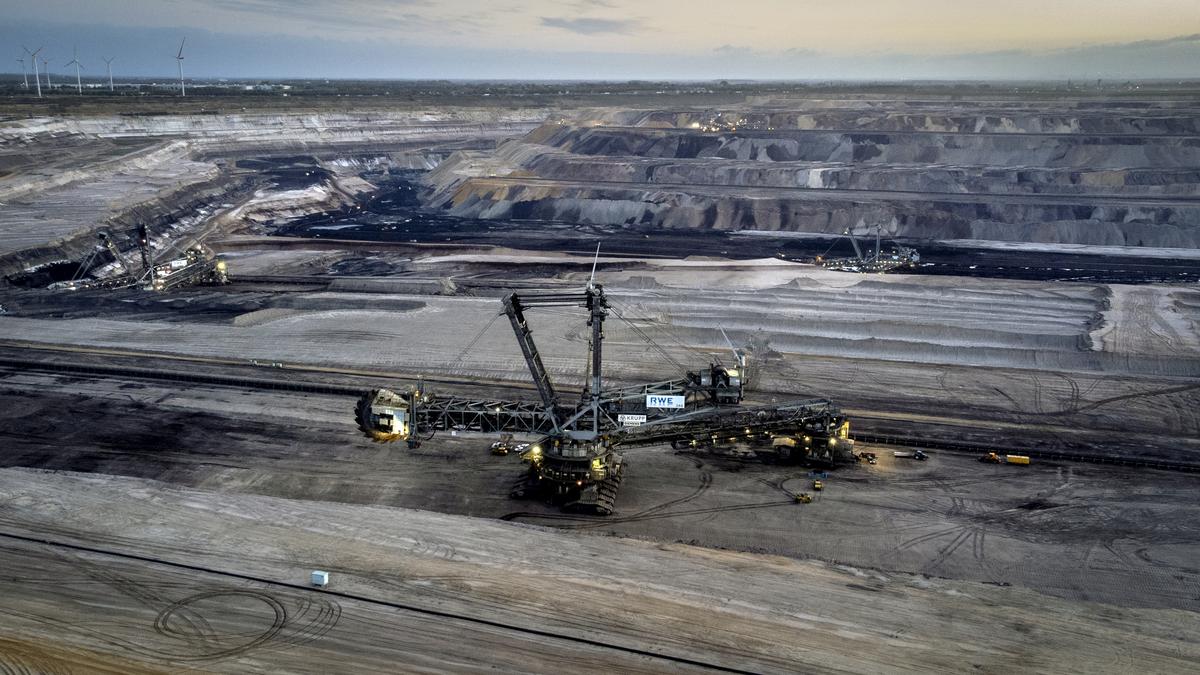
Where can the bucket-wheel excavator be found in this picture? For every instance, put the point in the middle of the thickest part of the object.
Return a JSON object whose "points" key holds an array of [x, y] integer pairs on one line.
{"points": [[877, 261], [577, 463], [196, 266]]}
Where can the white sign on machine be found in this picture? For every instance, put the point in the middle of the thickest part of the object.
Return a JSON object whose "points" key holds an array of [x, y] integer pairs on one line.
{"points": [[631, 420], [660, 401]]}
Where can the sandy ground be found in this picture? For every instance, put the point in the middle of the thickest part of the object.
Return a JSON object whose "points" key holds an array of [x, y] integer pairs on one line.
{"points": [[1061, 365], [1151, 320], [151, 525], [749, 612], [1138, 251], [40, 216], [1077, 532]]}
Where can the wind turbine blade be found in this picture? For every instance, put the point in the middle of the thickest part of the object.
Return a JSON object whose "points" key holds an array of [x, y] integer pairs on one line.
{"points": [[181, 43]]}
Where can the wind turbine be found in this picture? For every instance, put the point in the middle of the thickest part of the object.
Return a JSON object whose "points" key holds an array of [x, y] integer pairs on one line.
{"points": [[46, 67], [108, 64], [24, 72], [179, 60], [36, 76], [78, 65]]}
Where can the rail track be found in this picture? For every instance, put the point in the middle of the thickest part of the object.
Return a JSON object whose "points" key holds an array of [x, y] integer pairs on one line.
{"points": [[1053, 455], [353, 389]]}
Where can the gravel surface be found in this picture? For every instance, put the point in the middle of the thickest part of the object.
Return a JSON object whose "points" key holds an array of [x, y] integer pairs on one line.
{"points": [[1078, 532], [750, 612]]}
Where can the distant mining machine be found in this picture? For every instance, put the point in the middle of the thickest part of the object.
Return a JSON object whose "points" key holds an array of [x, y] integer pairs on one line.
{"points": [[127, 278], [197, 266], [577, 463], [876, 261]]}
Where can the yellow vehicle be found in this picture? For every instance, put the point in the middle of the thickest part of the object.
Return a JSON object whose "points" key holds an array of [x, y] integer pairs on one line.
{"points": [[803, 498], [818, 485], [504, 445], [996, 458]]}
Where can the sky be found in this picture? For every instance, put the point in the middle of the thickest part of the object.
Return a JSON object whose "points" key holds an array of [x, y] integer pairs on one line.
{"points": [[615, 39]]}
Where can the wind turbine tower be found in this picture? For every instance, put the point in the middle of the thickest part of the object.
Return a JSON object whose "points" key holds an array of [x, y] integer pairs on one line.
{"points": [[78, 65], [24, 73], [108, 64], [36, 77], [46, 67], [179, 60]]}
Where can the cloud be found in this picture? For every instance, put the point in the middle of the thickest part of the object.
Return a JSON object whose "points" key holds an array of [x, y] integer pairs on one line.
{"points": [[315, 7], [366, 16], [732, 51], [798, 52], [592, 26], [1185, 40]]}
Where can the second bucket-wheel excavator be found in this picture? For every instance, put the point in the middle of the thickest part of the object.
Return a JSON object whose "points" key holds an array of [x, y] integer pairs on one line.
{"points": [[577, 462], [196, 266]]}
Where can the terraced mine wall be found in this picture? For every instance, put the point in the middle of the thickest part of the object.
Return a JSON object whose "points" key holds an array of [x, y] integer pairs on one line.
{"points": [[1029, 116], [1080, 175], [62, 179], [157, 214], [934, 217]]}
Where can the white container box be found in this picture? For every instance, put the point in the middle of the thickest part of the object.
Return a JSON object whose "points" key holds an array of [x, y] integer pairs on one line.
{"points": [[320, 578]]}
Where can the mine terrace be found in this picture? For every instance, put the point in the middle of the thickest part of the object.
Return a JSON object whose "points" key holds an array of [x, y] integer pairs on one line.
{"points": [[761, 377]]}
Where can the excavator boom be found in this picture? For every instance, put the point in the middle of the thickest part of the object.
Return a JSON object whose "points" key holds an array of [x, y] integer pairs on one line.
{"points": [[515, 310]]}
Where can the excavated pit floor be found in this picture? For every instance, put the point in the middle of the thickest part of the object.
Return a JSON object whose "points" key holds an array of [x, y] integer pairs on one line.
{"points": [[222, 585], [1077, 532], [396, 216], [918, 566]]}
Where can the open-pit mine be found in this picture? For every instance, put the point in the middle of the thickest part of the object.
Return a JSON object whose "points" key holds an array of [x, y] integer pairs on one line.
{"points": [[841, 380]]}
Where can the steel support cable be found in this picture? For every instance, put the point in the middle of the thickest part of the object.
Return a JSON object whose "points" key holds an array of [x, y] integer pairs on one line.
{"points": [[86, 265], [671, 336], [475, 340], [703, 356], [657, 347], [835, 243]]}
